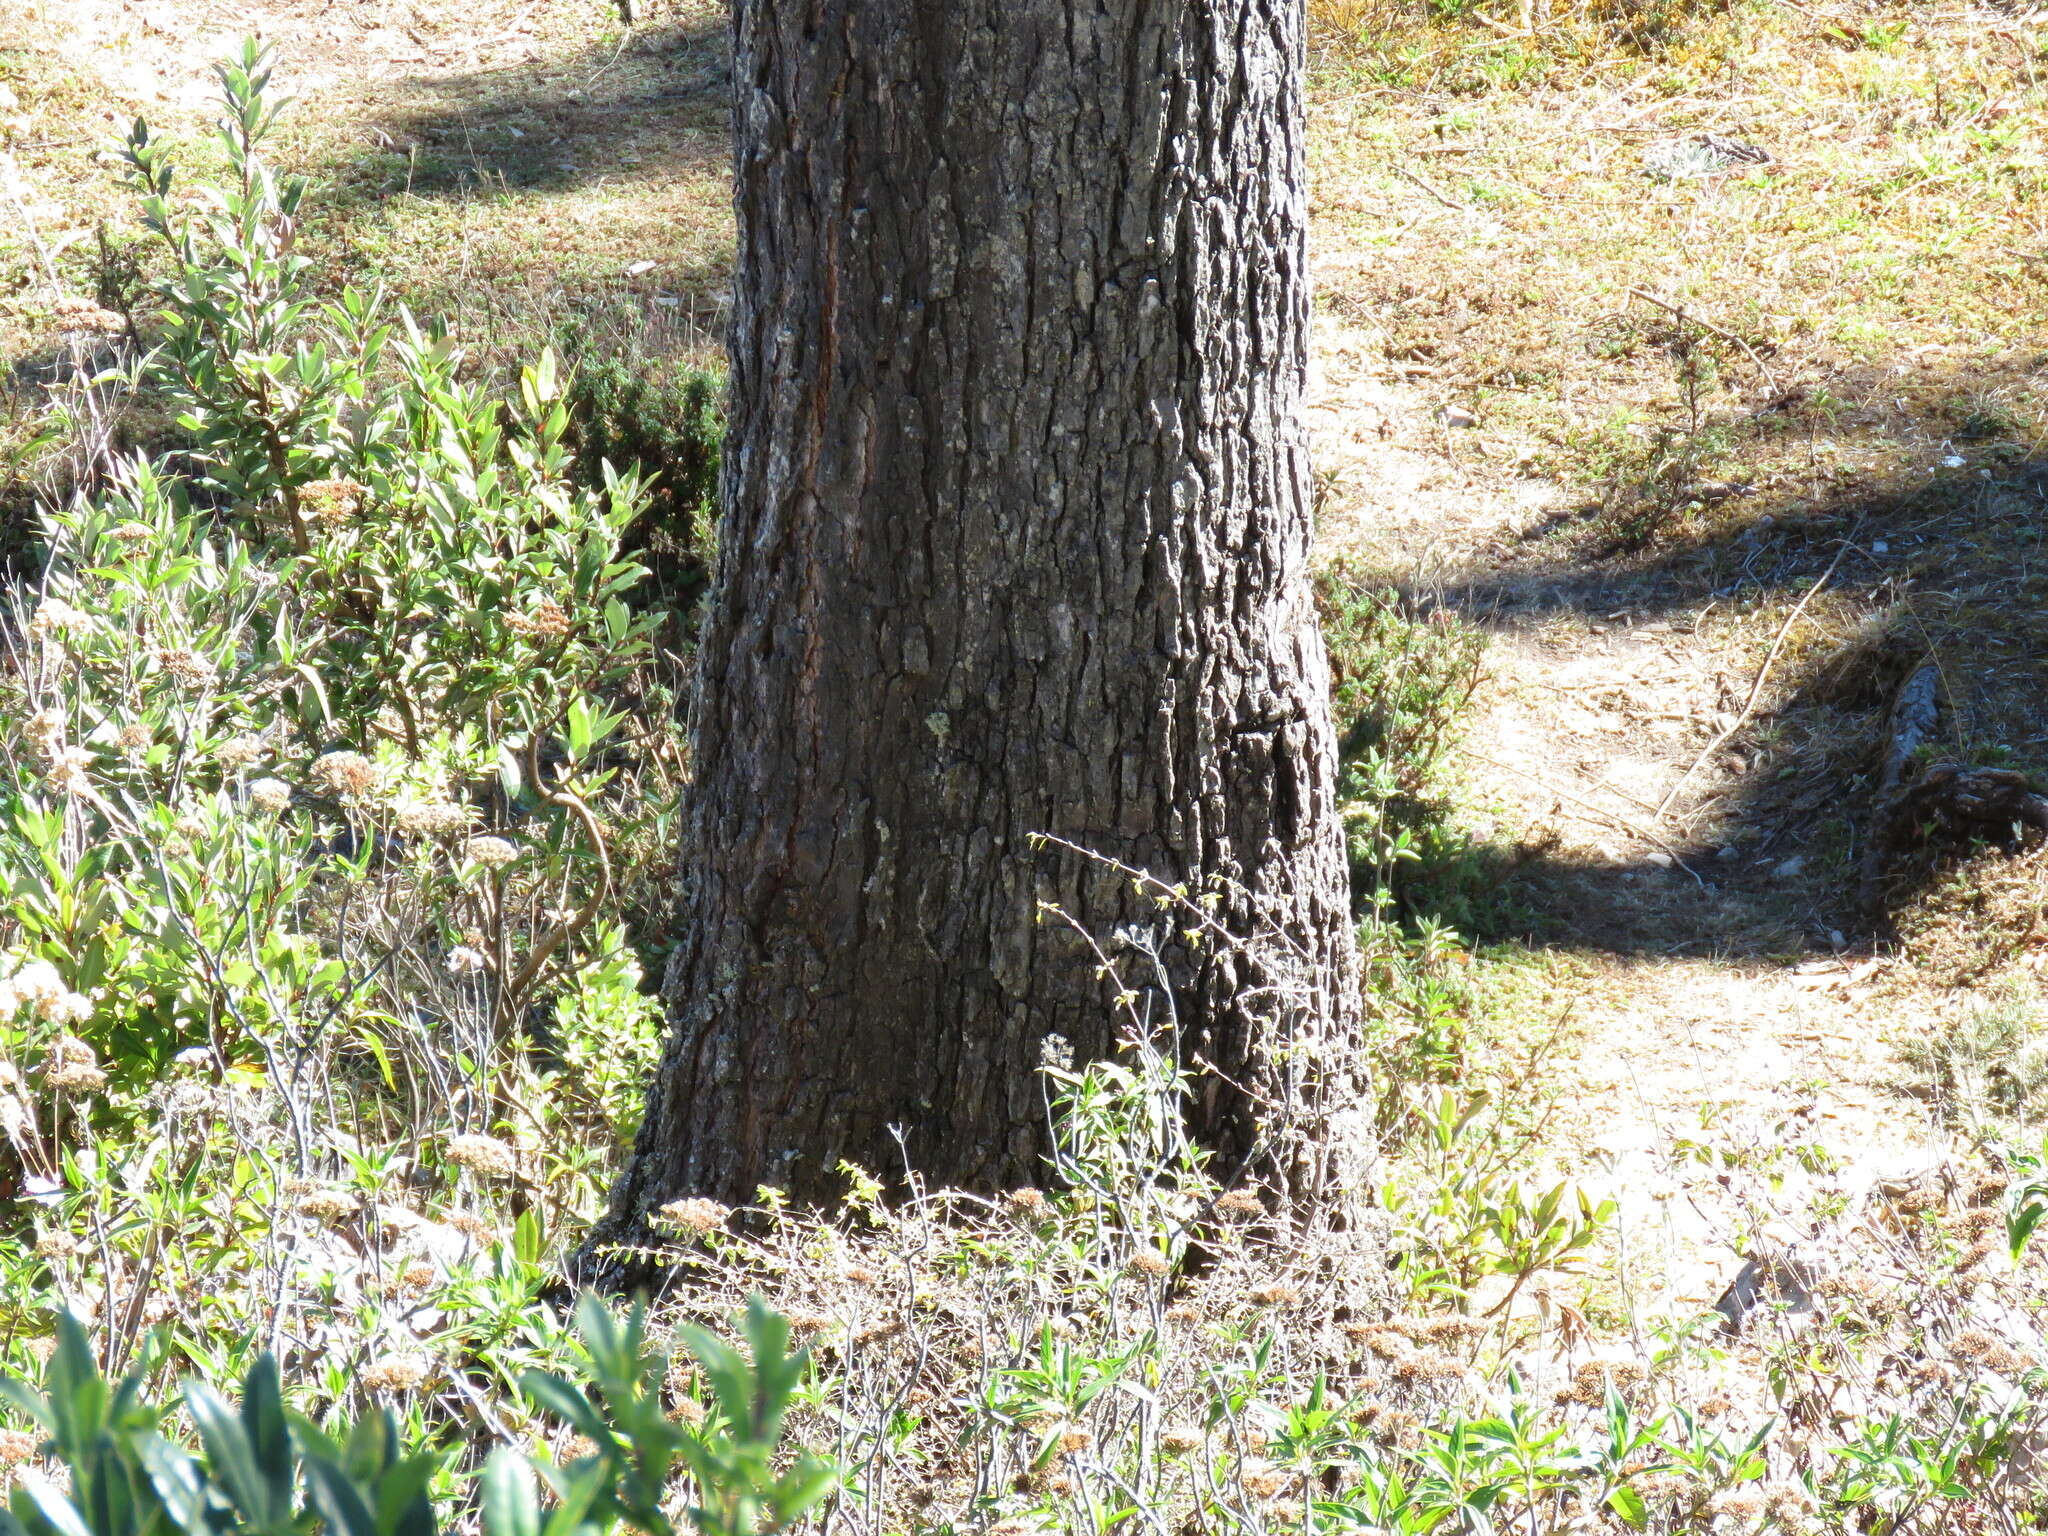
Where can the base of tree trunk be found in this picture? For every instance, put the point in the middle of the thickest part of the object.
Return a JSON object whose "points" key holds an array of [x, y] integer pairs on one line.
{"points": [[1011, 645]]}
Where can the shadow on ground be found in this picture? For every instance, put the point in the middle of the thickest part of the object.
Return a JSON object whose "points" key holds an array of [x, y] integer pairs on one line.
{"points": [[639, 111], [587, 187], [1759, 853]]}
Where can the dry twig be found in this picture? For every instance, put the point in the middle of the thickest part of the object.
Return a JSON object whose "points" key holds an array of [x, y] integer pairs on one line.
{"points": [[1757, 688]]}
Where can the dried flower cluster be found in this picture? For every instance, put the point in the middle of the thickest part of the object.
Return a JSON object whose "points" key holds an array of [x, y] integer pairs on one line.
{"points": [[396, 1373], [1981, 1348], [55, 618], [431, 818], [695, 1215], [344, 775], [66, 768], [38, 988], [72, 1066], [330, 503], [240, 751], [490, 852], [76, 313], [485, 1156], [549, 619], [186, 667], [1594, 1379], [269, 796], [474, 1227], [329, 1206], [70, 770], [1240, 1203]]}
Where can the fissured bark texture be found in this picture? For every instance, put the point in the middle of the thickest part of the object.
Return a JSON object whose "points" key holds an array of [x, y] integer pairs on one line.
{"points": [[1015, 541]]}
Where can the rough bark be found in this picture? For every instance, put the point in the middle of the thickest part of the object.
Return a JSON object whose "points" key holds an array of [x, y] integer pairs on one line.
{"points": [[1015, 541]]}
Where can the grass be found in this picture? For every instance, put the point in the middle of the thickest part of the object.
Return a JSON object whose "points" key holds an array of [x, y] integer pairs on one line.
{"points": [[1689, 393], [1689, 396], [506, 168], [1898, 219]]}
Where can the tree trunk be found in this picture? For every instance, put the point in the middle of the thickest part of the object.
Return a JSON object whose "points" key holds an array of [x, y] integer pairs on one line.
{"points": [[1015, 541]]}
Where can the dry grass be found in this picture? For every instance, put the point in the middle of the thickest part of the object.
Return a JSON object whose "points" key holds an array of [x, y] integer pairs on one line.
{"points": [[504, 166], [1689, 394], [1692, 399], [1874, 291]]}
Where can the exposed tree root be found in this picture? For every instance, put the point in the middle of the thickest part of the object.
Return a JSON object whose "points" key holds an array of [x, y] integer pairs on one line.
{"points": [[1949, 807]]}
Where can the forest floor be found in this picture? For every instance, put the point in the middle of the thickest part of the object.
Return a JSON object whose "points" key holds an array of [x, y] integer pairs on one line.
{"points": [[1714, 459]]}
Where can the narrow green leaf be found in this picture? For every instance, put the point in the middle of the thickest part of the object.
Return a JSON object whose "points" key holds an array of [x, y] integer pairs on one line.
{"points": [[567, 1403], [228, 1452], [511, 1500], [339, 1501]]}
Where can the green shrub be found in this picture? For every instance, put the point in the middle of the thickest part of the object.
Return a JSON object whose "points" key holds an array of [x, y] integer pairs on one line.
{"points": [[358, 627], [1400, 687], [320, 802], [662, 420], [607, 1035], [443, 562], [264, 1470]]}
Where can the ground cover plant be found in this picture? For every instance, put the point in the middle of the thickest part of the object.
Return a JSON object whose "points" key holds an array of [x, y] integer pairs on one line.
{"points": [[322, 795], [338, 809]]}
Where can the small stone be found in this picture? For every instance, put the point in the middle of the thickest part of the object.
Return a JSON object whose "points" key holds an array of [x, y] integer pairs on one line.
{"points": [[1661, 859], [1458, 416], [1783, 1274], [1791, 867], [1729, 851], [1880, 547]]}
